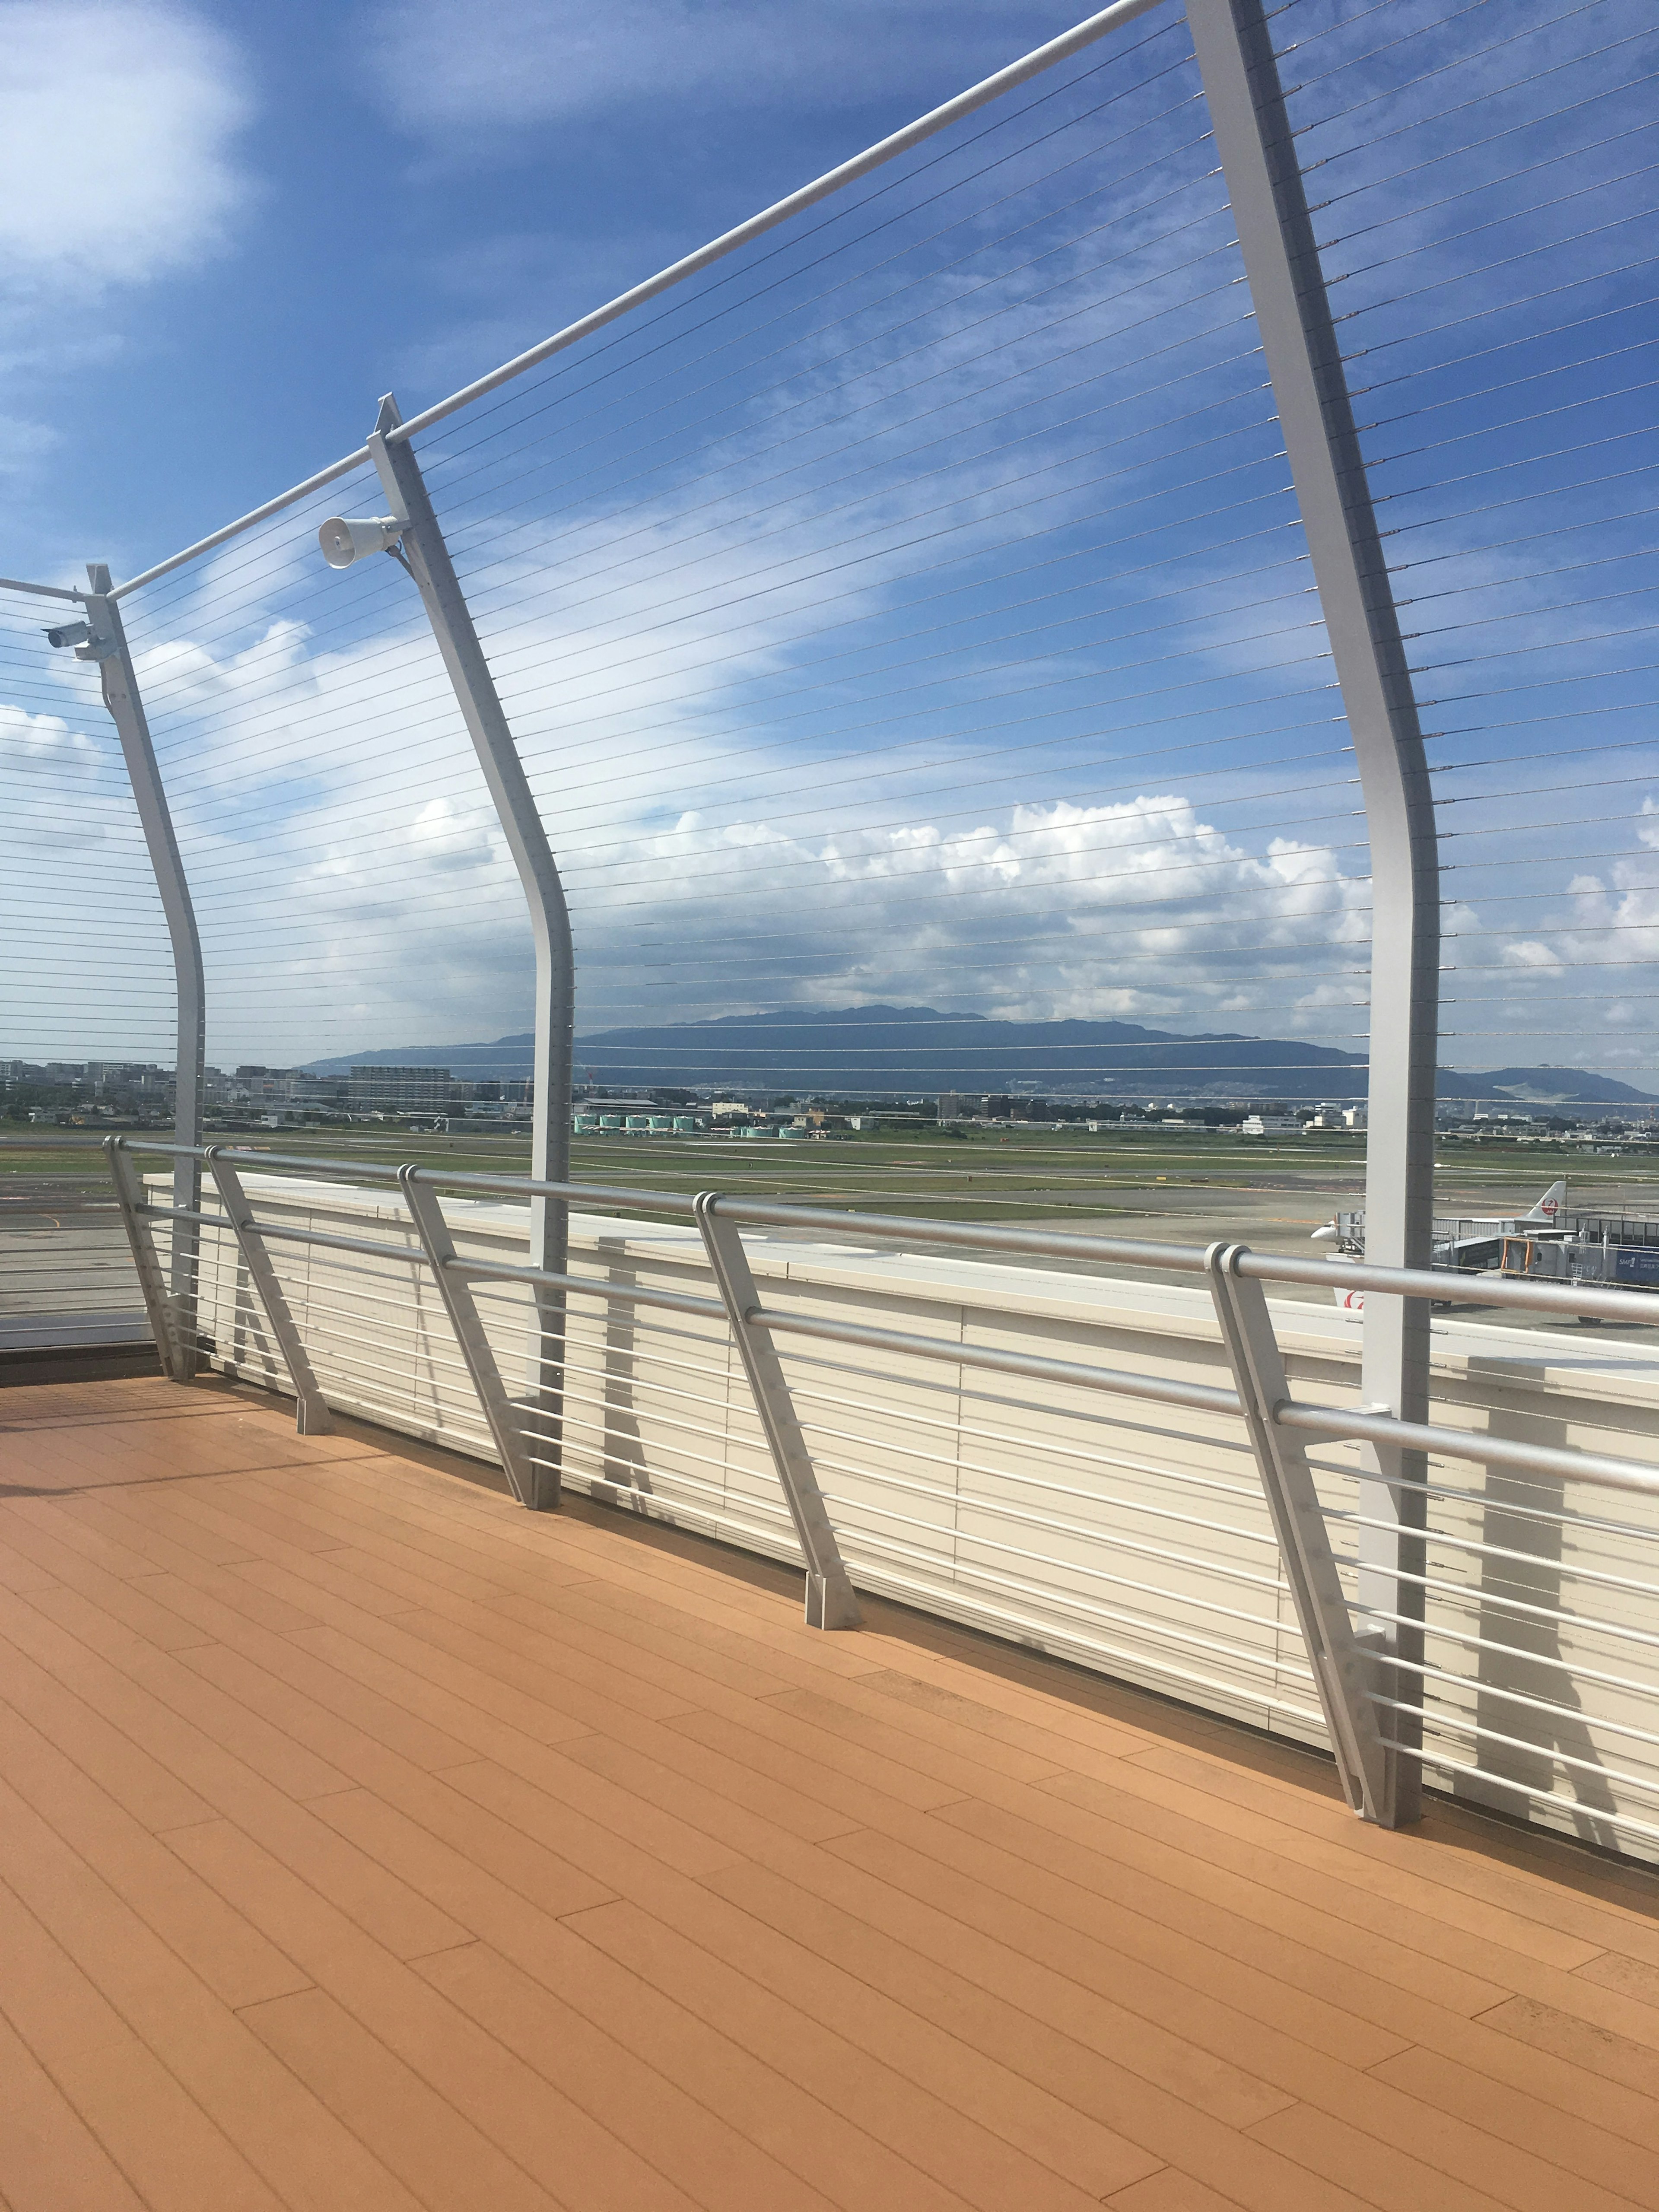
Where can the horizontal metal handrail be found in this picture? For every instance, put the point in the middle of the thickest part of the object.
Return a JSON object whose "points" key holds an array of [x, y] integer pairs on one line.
{"points": [[594, 1285], [1441, 1287], [1201, 1397], [1602, 1469], [411, 1255]]}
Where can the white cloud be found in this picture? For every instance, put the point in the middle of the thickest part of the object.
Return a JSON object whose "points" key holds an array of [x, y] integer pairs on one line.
{"points": [[446, 67], [118, 123]]}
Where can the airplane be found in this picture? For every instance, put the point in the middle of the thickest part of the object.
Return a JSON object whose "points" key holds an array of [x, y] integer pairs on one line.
{"points": [[1467, 1244]]}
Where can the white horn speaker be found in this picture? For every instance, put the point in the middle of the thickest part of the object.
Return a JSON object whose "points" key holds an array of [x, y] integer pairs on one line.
{"points": [[344, 542]]}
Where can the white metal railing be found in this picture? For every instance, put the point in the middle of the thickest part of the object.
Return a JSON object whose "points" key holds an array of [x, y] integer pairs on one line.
{"points": [[1116, 1472]]}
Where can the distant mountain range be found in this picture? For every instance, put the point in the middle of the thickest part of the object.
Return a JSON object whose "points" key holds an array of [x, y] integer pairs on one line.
{"points": [[917, 1050]]}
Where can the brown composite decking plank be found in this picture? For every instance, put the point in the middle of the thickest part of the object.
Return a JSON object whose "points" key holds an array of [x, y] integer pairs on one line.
{"points": [[432, 2148], [938, 2063], [572, 1815], [123, 1597], [229, 1955], [1242, 1964], [1391, 1899], [643, 1648], [577, 1684], [1168, 2190], [1404, 1880], [289, 1668], [1240, 1903], [134, 1777], [1535, 2110], [1403, 1940], [351, 1522], [1108, 2085], [1434, 2013], [94, 1525], [714, 1606], [813, 1759], [1574, 2140], [159, 1451], [834, 2098], [1055, 1972], [938, 1752], [285, 2137], [461, 1700], [19, 1569], [719, 2163], [50, 2159], [1523, 2025], [1384, 2173], [69, 1405], [183, 1710], [224, 1784], [1541, 1964], [152, 2128], [486, 2085], [1549, 1907]]}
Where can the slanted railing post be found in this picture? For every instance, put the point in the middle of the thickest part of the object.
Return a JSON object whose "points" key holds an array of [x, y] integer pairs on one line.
{"points": [[108, 646], [171, 1344], [449, 1274], [829, 1599], [1340, 1666], [312, 1417], [1287, 285]]}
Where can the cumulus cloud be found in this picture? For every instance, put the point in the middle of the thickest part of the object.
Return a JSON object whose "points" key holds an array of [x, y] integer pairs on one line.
{"points": [[118, 126], [87, 968]]}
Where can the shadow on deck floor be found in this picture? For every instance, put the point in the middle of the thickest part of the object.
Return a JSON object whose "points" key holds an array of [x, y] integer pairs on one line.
{"points": [[365, 1842]]}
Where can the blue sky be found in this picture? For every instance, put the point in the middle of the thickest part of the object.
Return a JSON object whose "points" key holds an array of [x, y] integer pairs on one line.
{"points": [[325, 200], [914, 609]]}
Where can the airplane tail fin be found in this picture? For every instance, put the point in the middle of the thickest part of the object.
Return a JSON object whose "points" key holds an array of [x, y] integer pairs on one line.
{"points": [[1552, 1203]]}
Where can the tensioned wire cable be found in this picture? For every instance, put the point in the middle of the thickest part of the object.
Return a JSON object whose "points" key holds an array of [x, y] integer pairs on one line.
{"points": [[1008, 841], [1642, 266], [399, 810], [444, 454], [1600, 143], [812, 520], [683, 303], [981, 674], [1405, 37], [972, 430], [1517, 215], [1266, 888], [1083, 737], [1510, 261], [843, 208], [1519, 422], [388, 594], [500, 640], [748, 868], [702, 615], [183, 785], [992, 350], [1575, 366], [1372, 140], [791, 766], [487, 605]]}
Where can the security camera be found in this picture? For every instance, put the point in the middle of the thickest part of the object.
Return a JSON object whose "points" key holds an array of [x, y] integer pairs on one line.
{"points": [[344, 542], [70, 634]]}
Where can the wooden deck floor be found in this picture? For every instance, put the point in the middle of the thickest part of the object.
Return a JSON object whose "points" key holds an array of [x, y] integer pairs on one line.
{"points": [[365, 1842]]}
